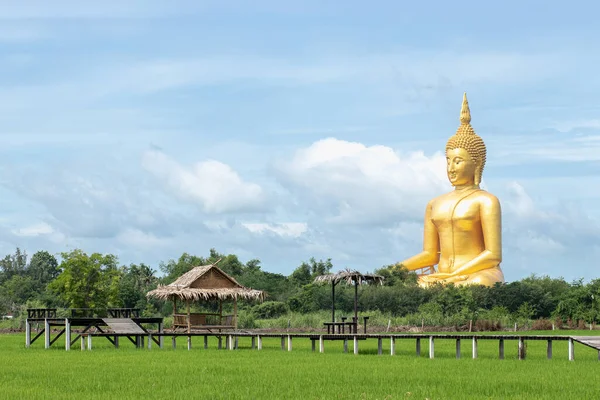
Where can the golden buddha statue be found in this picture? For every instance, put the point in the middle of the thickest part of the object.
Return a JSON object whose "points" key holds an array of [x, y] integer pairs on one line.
{"points": [[463, 230]]}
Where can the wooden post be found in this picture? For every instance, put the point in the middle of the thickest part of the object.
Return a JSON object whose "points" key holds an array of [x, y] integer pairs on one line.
{"points": [[431, 347], [67, 334], [379, 346], [174, 342], [355, 344], [333, 301], [89, 346], [220, 312], [457, 348], [321, 346], [549, 350], [27, 333], [235, 313], [205, 342], [259, 339], [521, 349], [160, 338], [501, 349], [46, 334], [418, 346], [392, 345], [474, 347], [571, 350], [116, 339], [189, 317], [289, 338]]}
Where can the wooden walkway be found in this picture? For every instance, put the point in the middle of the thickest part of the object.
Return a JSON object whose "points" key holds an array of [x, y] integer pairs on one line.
{"points": [[422, 342]]}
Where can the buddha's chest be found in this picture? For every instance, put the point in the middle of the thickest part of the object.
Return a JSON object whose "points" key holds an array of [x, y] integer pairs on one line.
{"points": [[461, 213]]}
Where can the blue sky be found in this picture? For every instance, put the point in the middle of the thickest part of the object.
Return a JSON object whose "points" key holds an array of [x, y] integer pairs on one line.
{"points": [[282, 131]]}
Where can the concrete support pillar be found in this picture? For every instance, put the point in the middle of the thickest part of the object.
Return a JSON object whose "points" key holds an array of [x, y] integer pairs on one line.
{"points": [[189, 342], [549, 350], [67, 334], [289, 342], [345, 345], [253, 345], [474, 347], [321, 346], [174, 342], [355, 344], [27, 333], [205, 342], [392, 345], [501, 349], [149, 341], [116, 339], [521, 349], [431, 347], [571, 350], [259, 340], [418, 347], [457, 348], [46, 334], [89, 340], [82, 342], [379, 346]]}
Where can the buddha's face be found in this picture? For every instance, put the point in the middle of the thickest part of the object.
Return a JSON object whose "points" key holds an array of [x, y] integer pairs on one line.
{"points": [[461, 167]]}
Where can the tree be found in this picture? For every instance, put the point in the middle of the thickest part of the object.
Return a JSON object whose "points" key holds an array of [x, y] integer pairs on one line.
{"points": [[87, 281], [13, 264], [43, 268]]}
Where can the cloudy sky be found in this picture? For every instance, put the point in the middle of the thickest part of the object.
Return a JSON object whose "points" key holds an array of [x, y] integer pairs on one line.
{"points": [[286, 130]]}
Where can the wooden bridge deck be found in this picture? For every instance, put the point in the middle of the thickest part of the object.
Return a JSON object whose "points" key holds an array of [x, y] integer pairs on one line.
{"points": [[590, 341], [124, 326]]}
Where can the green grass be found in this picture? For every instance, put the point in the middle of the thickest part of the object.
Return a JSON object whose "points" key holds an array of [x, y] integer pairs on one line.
{"points": [[129, 373]]}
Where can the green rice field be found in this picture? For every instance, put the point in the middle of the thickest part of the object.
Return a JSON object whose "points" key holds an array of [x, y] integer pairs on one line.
{"points": [[130, 373]]}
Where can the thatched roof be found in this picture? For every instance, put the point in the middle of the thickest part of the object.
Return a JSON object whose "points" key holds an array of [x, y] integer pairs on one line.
{"points": [[350, 276], [205, 282]]}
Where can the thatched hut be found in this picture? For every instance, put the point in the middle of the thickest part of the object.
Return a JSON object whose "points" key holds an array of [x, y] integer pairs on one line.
{"points": [[349, 277], [205, 283]]}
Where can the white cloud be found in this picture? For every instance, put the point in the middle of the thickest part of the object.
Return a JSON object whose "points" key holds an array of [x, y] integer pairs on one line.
{"points": [[39, 229], [289, 229], [360, 184], [213, 185], [138, 239]]}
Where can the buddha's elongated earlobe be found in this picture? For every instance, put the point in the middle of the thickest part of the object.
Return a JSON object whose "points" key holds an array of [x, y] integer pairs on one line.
{"points": [[477, 179]]}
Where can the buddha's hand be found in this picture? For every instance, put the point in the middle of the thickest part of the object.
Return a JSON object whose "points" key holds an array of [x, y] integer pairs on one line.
{"points": [[435, 277]]}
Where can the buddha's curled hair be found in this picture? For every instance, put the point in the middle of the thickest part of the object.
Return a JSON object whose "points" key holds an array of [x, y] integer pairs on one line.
{"points": [[466, 138]]}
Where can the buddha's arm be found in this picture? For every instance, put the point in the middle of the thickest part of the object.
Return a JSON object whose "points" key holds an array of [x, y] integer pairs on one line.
{"points": [[431, 246], [491, 227]]}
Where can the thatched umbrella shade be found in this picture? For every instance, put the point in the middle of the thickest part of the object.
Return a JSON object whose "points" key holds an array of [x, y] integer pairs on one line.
{"points": [[350, 277], [207, 282]]}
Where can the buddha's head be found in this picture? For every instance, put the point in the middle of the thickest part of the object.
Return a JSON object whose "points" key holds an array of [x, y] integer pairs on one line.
{"points": [[465, 152]]}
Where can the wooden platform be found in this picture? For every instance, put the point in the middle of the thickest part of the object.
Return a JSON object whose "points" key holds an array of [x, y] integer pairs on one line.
{"points": [[123, 326]]}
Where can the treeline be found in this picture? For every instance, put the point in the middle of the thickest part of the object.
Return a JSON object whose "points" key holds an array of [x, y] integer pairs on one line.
{"points": [[97, 281]]}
